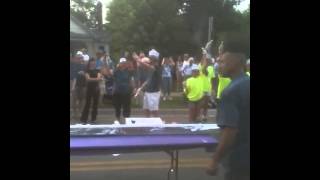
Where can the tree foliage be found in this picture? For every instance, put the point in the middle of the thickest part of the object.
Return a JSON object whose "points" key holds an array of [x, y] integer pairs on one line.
{"points": [[84, 11], [140, 24], [171, 26]]}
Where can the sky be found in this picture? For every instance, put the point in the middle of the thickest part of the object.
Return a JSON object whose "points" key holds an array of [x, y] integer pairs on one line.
{"points": [[243, 6], [105, 3]]}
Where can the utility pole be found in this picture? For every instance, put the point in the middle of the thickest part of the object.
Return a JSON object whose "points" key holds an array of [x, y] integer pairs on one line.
{"points": [[99, 15], [210, 28]]}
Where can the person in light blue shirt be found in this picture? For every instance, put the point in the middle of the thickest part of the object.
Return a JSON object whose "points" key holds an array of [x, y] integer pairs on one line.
{"points": [[167, 66]]}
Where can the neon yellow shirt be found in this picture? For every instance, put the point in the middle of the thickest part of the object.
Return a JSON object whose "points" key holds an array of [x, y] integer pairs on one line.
{"points": [[207, 86], [195, 88], [223, 83]]}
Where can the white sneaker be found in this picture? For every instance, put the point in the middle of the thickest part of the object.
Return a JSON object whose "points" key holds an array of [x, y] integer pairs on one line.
{"points": [[116, 122]]}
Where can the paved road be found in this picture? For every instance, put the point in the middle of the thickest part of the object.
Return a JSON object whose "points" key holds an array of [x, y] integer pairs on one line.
{"points": [[141, 166]]}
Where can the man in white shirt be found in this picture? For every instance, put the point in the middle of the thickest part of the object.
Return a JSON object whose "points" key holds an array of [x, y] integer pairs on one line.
{"points": [[85, 55], [186, 68]]}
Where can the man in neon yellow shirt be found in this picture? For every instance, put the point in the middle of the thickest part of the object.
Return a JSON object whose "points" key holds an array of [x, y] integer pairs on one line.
{"points": [[194, 93], [207, 75], [223, 83]]}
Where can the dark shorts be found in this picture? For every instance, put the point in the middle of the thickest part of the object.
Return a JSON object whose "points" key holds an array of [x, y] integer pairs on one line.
{"points": [[193, 104]]}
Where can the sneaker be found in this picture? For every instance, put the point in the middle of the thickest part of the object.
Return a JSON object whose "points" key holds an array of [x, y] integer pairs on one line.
{"points": [[116, 122]]}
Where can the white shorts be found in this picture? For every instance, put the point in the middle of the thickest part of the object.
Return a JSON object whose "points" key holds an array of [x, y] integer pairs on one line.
{"points": [[151, 101]]}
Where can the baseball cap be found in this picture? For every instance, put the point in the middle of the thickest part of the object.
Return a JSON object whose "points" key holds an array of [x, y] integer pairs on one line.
{"points": [[195, 67], [154, 53], [122, 60], [79, 53]]}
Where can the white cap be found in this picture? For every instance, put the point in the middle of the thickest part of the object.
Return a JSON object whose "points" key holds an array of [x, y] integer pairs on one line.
{"points": [[122, 60], [195, 67], [153, 52], [79, 53]]}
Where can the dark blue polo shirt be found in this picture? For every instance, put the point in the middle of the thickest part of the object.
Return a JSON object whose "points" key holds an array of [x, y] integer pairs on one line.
{"points": [[234, 111]]}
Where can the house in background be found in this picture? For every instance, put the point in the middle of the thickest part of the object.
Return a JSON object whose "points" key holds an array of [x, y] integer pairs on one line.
{"points": [[83, 37]]}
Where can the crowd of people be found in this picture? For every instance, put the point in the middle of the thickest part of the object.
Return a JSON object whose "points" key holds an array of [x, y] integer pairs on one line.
{"points": [[145, 79], [222, 81]]}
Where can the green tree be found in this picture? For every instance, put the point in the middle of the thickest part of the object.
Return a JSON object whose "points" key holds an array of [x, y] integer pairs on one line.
{"points": [[171, 26], [139, 24], [197, 13], [84, 11]]}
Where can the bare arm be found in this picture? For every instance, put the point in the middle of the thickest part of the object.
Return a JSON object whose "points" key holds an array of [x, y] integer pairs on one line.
{"points": [[187, 91], [204, 65], [141, 88], [162, 62], [226, 139], [143, 85], [146, 65], [132, 83], [74, 84], [98, 78], [172, 62]]}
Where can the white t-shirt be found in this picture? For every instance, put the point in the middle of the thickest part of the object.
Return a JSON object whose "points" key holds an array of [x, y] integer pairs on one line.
{"points": [[186, 69], [86, 57]]}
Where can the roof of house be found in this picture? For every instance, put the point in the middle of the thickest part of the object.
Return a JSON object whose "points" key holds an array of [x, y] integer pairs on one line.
{"points": [[79, 31]]}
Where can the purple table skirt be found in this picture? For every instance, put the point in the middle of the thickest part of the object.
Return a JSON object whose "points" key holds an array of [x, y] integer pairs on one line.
{"points": [[117, 144]]}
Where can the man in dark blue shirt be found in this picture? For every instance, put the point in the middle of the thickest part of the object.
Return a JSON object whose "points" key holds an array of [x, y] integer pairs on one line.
{"points": [[123, 89], [233, 116]]}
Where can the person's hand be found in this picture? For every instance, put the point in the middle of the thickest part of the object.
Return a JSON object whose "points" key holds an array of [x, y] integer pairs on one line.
{"points": [[135, 56], [137, 92], [134, 91], [212, 168]]}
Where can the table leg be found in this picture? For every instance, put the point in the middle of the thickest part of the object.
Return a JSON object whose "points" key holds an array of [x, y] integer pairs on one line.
{"points": [[174, 156], [177, 163]]}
